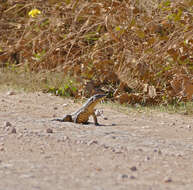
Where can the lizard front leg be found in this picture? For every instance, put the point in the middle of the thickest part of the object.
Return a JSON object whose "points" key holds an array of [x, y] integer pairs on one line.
{"points": [[95, 118]]}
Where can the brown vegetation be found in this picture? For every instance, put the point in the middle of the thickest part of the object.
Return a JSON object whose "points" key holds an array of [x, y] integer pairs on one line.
{"points": [[137, 51]]}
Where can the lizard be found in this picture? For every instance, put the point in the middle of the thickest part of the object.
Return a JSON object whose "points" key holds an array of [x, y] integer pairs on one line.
{"points": [[83, 114]]}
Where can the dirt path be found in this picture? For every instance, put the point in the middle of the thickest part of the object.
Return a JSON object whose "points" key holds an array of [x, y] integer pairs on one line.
{"points": [[135, 151]]}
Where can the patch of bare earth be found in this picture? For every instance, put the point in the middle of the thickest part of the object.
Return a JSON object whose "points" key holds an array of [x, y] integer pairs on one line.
{"points": [[134, 151]]}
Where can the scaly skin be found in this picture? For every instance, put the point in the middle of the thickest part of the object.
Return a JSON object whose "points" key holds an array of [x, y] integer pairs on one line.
{"points": [[83, 114]]}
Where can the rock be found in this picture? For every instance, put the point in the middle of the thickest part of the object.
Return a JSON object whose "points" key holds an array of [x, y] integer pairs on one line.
{"points": [[124, 176], [63, 139], [92, 142], [7, 124], [10, 93], [168, 180], [172, 124], [49, 130], [13, 130], [133, 168], [147, 158]]}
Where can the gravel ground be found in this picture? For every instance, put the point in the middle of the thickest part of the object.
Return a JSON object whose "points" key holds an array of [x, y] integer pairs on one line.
{"points": [[135, 151]]}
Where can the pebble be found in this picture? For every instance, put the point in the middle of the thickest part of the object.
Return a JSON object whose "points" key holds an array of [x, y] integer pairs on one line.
{"points": [[133, 168], [168, 180], [20, 136], [13, 130], [63, 139], [132, 177], [147, 158], [92, 142], [140, 149], [49, 130], [172, 124], [7, 124], [124, 176], [10, 93]]}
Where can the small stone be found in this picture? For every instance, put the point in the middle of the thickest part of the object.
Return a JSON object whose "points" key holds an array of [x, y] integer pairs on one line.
{"points": [[133, 168], [98, 169], [13, 130], [189, 126], [168, 180], [20, 136], [185, 113], [124, 176], [55, 108], [7, 124], [105, 146], [2, 149], [132, 177], [147, 158], [49, 130], [92, 142], [10, 93], [172, 124], [63, 139]]}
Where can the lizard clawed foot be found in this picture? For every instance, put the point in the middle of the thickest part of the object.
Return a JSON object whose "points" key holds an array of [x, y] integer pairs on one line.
{"points": [[97, 124]]}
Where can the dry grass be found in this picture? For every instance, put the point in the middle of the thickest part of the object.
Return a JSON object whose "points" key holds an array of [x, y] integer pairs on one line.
{"points": [[20, 79], [141, 48], [58, 84]]}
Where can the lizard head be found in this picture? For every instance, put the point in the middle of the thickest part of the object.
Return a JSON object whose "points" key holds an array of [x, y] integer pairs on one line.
{"points": [[98, 97], [91, 102]]}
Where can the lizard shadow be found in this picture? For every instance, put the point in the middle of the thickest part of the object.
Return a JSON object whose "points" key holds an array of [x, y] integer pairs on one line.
{"points": [[99, 125], [88, 123]]}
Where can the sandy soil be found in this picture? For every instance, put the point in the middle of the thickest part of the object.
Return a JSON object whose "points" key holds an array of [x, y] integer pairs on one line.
{"points": [[134, 151]]}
